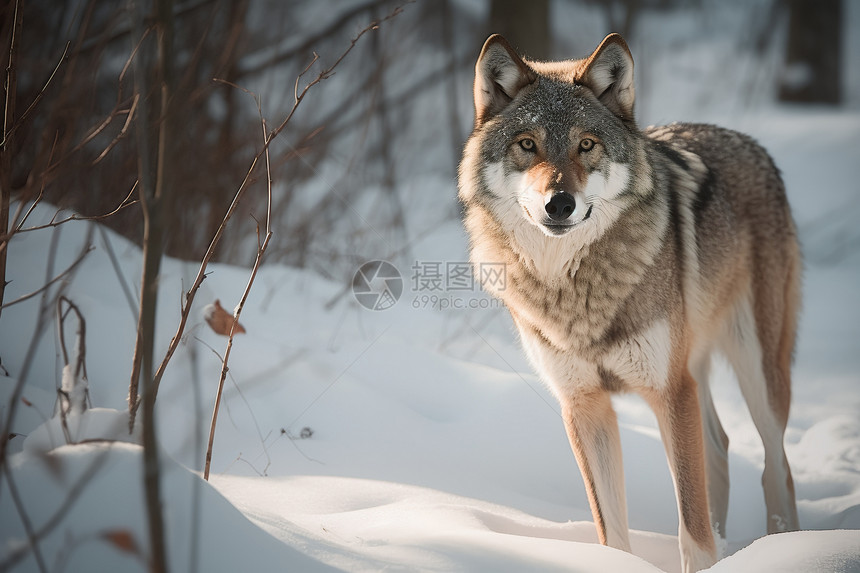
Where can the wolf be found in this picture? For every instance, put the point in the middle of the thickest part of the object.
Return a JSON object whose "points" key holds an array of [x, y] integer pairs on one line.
{"points": [[631, 257]]}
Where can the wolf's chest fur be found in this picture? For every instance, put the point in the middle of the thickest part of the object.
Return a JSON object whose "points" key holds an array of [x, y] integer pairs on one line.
{"points": [[584, 313]]}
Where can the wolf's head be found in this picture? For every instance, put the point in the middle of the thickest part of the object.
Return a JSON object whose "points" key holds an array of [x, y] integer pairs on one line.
{"points": [[554, 142]]}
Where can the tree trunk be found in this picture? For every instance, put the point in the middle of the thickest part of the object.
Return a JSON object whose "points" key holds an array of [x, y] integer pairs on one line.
{"points": [[813, 56], [524, 24], [155, 83]]}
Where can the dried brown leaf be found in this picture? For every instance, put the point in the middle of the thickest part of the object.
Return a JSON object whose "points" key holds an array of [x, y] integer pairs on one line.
{"points": [[220, 320], [122, 539]]}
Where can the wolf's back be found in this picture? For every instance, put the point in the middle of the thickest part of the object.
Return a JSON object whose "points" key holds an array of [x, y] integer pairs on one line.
{"points": [[742, 195], [737, 166]]}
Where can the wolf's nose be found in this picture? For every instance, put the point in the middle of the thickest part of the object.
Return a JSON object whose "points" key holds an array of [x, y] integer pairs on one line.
{"points": [[560, 206]]}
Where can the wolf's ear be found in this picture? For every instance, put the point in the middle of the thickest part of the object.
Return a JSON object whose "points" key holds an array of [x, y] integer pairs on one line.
{"points": [[499, 75], [609, 73]]}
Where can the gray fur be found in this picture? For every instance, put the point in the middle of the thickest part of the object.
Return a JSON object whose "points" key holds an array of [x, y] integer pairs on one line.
{"points": [[701, 228]]}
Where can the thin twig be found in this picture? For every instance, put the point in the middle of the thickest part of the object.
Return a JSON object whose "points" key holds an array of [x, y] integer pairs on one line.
{"points": [[245, 400], [65, 396], [18, 225], [132, 55], [92, 134], [81, 356], [122, 132], [292, 440], [127, 202], [48, 284], [126, 289], [309, 42], [39, 96], [261, 250], [115, 112], [32, 538]]}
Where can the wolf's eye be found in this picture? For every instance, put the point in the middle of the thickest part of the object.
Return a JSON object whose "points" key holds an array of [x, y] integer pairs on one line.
{"points": [[527, 144], [586, 144]]}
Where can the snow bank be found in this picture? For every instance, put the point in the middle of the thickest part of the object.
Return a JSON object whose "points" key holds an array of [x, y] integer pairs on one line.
{"points": [[102, 485], [797, 552]]}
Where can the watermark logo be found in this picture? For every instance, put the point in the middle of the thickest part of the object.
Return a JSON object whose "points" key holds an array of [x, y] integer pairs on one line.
{"points": [[440, 285], [493, 275], [377, 285]]}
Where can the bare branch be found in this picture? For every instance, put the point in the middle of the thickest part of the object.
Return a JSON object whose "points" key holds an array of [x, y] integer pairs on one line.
{"points": [[126, 289], [32, 537], [127, 202], [122, 132], [329, 71], [69, 394], [132, 55], [234, 86], [81, 357], [313, 40], [4, 239], [120, 32], [261, 250], [303, 72], [115, 112], [47, 285], [96, 130], [38, 97], [247, 404]]}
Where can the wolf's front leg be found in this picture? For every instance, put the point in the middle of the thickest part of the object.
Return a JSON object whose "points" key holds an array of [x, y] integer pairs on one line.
{"points": [[593, 431], [679, 418]]}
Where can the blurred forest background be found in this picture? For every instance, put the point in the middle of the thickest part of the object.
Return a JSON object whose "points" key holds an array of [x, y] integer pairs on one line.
{"points": [[397, 110], [146, 115]]}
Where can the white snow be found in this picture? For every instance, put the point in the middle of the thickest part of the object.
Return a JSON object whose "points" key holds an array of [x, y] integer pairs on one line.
{"points": [[432, 445]]}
